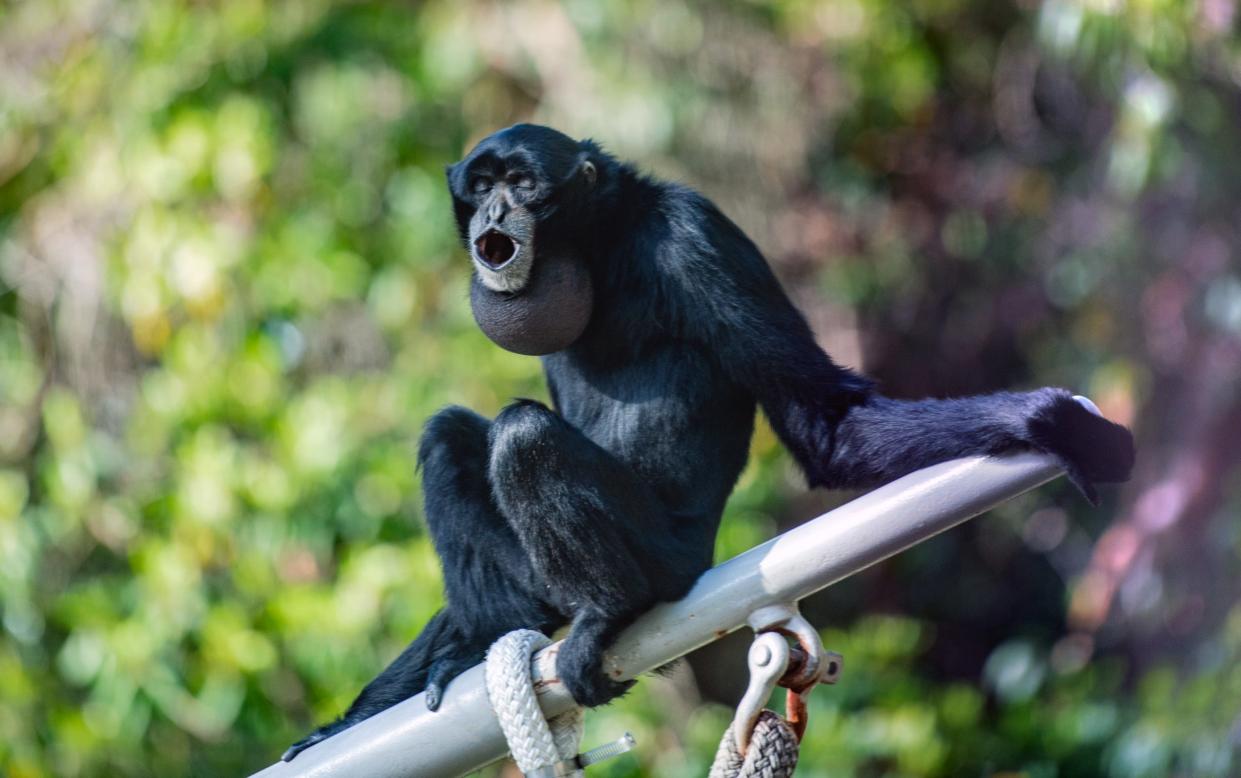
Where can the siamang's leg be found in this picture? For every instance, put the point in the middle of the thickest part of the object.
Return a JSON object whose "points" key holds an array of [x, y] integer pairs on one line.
{"points": [[490, 585], [882, 439], [598, 536]]}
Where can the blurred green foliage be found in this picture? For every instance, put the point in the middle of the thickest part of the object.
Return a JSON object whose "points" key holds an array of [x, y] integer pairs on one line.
{"points": [[232, 293]]}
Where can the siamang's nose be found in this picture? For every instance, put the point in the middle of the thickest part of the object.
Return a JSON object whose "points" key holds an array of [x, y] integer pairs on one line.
{"points": [[496, 211]]}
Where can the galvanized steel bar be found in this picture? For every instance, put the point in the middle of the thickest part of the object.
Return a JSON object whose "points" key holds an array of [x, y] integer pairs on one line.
{"points": [[408, 740]]}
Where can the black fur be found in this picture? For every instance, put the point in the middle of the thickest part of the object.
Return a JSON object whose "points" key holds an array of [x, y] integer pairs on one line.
{"points": [[594, 511]]}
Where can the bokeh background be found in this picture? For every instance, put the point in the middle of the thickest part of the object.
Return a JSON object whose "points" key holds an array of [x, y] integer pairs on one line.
{"points": [[230, 294]]}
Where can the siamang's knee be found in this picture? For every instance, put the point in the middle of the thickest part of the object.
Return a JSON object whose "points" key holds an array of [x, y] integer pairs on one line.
{"points": [[523, 445], [453, 437], [531, 477], [452, 456]]}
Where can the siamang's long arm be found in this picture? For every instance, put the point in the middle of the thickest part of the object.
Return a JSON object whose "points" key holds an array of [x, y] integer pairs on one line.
{"points": [[841, 432], [881, 439]]}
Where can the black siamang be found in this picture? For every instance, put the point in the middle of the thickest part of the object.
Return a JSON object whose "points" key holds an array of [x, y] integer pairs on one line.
{"points": [[660, 326]]}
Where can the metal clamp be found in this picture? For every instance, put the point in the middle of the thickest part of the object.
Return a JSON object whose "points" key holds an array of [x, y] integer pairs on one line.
{"points": [[768, 661], [773, 663]]}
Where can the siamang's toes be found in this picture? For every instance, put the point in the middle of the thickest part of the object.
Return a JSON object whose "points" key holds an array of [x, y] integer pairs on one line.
{"points": [[442, 673], [323, 733], [596, 690], [435, 694], [588, 684]]}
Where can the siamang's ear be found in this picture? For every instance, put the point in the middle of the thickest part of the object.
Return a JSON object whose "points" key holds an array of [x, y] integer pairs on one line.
{"points": [[588, 171], [455, 173]]}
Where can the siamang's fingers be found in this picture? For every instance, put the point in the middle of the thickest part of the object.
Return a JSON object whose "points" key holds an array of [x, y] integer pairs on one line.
{"points": [[442, 673], [1075, 476], [1091, 448]]}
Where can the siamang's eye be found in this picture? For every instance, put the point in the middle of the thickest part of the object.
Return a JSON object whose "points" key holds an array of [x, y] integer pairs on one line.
{"points": [[525, 184], [481, 185]]}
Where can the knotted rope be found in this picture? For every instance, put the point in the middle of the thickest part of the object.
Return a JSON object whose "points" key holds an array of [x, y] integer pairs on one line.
{"points": [[540, 747]]}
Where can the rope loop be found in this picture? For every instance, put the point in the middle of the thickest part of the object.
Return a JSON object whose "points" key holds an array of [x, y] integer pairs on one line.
{"points": [[772, 752], [540, 747]]}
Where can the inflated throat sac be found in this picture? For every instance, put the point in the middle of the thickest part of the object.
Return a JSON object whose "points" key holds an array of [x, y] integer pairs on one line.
{"points": [[547, 316]]}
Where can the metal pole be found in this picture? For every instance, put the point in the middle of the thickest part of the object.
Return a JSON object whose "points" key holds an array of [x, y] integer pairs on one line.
{"points": [[463, 735]]}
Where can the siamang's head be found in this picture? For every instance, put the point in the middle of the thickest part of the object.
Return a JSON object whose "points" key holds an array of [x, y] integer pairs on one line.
{"points": [[520, 198]]}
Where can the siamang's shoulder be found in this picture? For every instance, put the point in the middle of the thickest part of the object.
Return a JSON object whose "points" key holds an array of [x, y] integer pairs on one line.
{"points": [[685, 208], [694, 235]]}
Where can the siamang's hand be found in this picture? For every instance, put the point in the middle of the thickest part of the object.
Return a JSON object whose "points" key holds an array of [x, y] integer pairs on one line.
{"points": [[1090, 448]]}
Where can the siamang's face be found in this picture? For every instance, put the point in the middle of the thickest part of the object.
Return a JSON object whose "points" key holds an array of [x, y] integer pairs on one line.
{"points": [[520, 198], [503, 226], [509, 185]]}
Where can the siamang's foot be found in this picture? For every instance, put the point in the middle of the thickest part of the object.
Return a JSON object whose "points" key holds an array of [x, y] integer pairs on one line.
{"points": [[322, 733], [582, 674], [443, 672], [1090, 448]]}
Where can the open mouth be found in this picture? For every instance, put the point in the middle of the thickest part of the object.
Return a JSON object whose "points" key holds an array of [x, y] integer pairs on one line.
{"points": [[495, 249]]}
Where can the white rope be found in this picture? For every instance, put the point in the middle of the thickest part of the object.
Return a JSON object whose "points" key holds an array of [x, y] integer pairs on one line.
{"points": [[535, 742]]}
